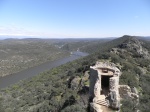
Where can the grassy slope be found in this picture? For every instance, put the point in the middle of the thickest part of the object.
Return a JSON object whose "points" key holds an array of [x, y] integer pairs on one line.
{"points": [[49, 91]]}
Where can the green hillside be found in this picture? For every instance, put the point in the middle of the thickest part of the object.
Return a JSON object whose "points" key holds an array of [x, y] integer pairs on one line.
{"points": [[20, 54], [65, 88], [84, 44]]}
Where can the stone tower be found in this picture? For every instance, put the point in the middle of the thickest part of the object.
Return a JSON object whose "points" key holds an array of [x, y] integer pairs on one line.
{"points": [[104, 83]]}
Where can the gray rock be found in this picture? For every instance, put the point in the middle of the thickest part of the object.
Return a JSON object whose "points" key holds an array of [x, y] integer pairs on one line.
{"points": [[75, 83]]}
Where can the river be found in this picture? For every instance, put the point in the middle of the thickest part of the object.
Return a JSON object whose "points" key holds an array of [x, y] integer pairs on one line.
{"points": [[16, 77]]}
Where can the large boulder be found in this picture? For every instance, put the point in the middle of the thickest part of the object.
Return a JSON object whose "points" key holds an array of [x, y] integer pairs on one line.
{"points": [[75, 83], [126, 93]]}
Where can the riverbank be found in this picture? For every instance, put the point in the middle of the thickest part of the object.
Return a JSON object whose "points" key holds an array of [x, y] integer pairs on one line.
{"points": [[14, 78]]}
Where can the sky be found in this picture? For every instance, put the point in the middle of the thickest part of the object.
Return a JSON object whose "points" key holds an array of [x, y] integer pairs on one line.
{"points": [[74, 18]]}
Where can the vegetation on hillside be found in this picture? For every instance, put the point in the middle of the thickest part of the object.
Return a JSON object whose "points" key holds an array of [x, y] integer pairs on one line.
{"points": [[19, 54], [53, 91], [84, 45]]}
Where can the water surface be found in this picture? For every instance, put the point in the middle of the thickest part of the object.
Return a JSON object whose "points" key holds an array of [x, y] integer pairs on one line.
{"points": [[16, 77]]}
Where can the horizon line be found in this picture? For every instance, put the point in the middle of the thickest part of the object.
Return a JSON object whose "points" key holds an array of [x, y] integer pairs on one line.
{"points": [[63, 37]]}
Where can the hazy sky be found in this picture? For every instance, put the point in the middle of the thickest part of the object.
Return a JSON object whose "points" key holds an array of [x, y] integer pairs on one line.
{"points": [[75, 18]]}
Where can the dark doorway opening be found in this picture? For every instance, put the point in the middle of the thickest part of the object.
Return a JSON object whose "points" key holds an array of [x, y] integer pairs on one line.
{"points": [[105, 81], [105, 84]]}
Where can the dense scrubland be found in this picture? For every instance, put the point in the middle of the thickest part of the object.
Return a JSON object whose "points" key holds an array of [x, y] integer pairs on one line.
{"points": [[20, 54], [65, 88]]}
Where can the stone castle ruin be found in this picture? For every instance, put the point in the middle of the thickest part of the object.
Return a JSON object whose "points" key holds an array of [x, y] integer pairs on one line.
{"points": [[104, 86]]}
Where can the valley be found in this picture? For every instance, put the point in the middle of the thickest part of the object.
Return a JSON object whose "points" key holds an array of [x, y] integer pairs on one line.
{"points": [[20, 54], [30, 72], [66, 87], [74, 56]]}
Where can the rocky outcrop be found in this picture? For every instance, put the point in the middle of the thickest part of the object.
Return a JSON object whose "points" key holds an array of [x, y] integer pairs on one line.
{"points": [[130, 94], [75, 83], [136, 45], [126, 93]]}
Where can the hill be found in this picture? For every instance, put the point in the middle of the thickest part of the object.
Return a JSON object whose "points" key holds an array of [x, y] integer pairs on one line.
{"points": [[20, 54], [65, 88], [85, 45]]}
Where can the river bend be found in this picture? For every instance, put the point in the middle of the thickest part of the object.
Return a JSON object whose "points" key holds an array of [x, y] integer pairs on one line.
{"points": [[16, 77]]}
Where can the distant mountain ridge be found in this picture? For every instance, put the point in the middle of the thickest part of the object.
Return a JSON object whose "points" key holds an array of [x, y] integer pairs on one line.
{"points": [[100, 47]]}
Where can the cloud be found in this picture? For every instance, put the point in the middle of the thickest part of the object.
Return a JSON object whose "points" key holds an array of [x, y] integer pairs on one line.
{"points": [[13, 30], [17, 31]]}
